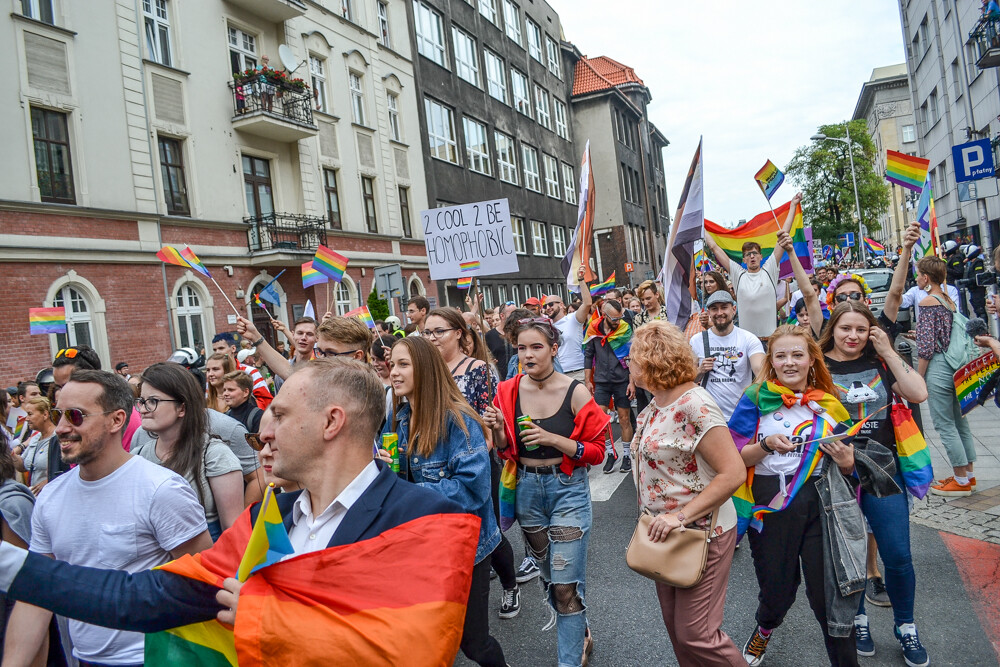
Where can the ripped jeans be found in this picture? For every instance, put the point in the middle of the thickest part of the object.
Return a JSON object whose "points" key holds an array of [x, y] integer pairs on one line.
{"points": [[555, 515]]}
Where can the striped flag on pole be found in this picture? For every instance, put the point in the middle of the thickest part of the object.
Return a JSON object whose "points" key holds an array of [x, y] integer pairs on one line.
{"points": [[582, 242], [688, 227]]}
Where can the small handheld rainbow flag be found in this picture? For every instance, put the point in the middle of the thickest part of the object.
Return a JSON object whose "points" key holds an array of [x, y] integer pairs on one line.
{"points": [[260, 304], [170, 255], [469, 266], [329, 263], [769, 178], [909, 171], [311, 276], [603, 288], [269, 541], [194, 262], [465, 283], [362, 314], [874, 247], [47, 320]]}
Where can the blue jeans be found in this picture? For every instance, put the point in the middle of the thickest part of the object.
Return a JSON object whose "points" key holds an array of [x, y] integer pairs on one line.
{"points": [[555, 514], [889, 519]]}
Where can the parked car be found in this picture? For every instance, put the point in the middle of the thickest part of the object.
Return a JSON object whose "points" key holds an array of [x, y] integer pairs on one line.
{"points": [[878, 281]]}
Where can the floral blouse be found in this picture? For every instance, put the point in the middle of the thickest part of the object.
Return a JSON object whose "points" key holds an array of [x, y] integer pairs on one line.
{"points": [[670, 472], [933, 331], [477, 385]]}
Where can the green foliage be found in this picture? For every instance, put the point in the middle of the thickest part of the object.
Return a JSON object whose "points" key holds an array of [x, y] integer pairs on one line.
{"points": [[822, 171], [379, 308]]}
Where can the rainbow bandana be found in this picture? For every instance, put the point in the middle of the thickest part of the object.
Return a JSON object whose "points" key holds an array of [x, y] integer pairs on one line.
{"points": [[620, 339]]}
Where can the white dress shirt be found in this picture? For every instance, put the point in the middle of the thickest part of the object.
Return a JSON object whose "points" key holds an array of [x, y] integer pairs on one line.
{"points": [[915, 295], [312, 533]]}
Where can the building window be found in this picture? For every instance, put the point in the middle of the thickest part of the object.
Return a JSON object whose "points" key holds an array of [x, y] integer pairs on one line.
{"points": [[40, 10], [392, 103], [383, 25], [626, 183], [257, 186], [317, 77], [430, 32], [404, 212], [78, 319], [466, 57], [477, 147], [542, 107], [345, 303], [562, 129], [551, 176], [502, 295], [520, 246], [345, 9], [512, 21], [932, 108], [569, 183], [558, 241], [332, 198], [519, 87], [488, 8], [154, 13], [909, 135], [242, 50], [368, 192], [357, 98], [552, 48], [506, 157], [496, 78], [172, 175], [534, 39], [539, 240], [190, 318], [529, 157], [441, 132], [53, 165]]}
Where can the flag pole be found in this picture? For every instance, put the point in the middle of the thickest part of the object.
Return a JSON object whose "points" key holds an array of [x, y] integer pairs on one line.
{"points": [[263, 307], [327, 295], [225, 296]]}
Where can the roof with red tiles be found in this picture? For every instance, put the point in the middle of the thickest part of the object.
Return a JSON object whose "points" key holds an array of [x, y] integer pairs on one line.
{"points": [[601, 73]]}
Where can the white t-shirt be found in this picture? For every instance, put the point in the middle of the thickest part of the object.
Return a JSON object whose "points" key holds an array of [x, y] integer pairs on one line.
{"points": [[570, 352], [731, 373], [129, 520], [913, 296], [795, 423], [757, 297]]}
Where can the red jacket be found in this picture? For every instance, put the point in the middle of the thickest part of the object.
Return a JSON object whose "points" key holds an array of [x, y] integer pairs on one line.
{"points": [[589, 427]]}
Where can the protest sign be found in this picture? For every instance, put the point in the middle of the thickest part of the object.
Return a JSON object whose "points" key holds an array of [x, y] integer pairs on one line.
{"points": [[469, 240]]}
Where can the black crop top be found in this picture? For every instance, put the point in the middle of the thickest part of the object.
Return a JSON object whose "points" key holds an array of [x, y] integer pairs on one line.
{"points": [[561, 423]]}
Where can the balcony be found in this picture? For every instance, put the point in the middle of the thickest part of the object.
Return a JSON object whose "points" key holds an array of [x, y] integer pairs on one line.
{"points": [[272, 110], [272, 10], [986, 35], [285, 232]]}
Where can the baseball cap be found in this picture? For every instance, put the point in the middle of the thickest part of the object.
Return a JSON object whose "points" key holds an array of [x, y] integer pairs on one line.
{"points": [[242, 355], [532, 301], [720, 296]]}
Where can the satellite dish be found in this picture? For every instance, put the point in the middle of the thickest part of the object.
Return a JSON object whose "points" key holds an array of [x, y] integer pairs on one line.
{"points": [[288, 58]]}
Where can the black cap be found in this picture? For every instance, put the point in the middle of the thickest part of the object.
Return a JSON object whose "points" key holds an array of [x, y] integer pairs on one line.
{"points": [[120, 365]]}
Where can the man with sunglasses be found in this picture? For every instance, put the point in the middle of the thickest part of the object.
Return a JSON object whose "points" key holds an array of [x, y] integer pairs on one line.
{"points": [[570, 354], [113, 511]]}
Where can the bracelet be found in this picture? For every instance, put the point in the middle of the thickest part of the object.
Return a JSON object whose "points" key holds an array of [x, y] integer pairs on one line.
{"points": [[763, 445], [579, 451], [257, 342], [681, 518]]}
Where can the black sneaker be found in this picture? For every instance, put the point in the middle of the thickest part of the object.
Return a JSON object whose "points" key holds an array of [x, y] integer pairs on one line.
{"points": [[753, 650], [510, 603], [527, 571], [609, 463], [626, 464], [876, 593]]}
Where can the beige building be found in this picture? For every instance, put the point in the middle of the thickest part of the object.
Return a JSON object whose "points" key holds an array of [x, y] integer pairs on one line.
{"points": [[885, 104]]}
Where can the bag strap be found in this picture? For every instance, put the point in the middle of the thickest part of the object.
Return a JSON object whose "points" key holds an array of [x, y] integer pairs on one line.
{"points": [[708, 353]]}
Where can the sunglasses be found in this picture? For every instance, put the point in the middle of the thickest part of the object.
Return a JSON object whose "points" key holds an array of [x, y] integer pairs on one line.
{"points": [[74, 415], [853, 296], [320, 353], [69, 353], [253, 439]]}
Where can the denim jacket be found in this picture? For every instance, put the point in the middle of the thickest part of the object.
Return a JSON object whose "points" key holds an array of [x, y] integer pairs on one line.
{"points": [[845, 549], [459, 468]]}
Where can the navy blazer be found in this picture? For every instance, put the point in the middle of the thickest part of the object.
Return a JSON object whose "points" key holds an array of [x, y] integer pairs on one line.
{"points": [[155, 600]]}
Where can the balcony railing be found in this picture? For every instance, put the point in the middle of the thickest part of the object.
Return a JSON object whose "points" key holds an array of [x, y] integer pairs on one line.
{"points": [[285, 231], [273, 10], [986, 35], [272, 110]]}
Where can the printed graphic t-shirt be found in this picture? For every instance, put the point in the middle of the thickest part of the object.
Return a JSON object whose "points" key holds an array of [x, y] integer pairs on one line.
{"points": [[731, 374], [863, 387]]}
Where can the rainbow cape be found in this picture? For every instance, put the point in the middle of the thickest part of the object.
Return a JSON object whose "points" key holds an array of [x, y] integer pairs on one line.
{"points": [[620, 339], [603, 288], [47, 320], [336, 606], [761, 229]]}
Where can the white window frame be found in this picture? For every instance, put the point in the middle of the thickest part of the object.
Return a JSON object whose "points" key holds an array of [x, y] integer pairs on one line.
{"points": [[909, 134], [539, 240], [189, 308], [345, 10], [529, 161], [35, 10], [542, 107], [506, 157], [383, 25], [317, 77], [519, 84], [559, 111], [344, 296], [156, 25], [488, 8], [534, 38], [496, 76], [551, 167], [501, 296], [429, 29], [569, 183], [520, 242], [357, 97], [477, 146], [463, 45], [515, 294], [558, 241], [441, 118], [552, 50], [512, 21], [65, 298], [245, 46], [392, 104]]}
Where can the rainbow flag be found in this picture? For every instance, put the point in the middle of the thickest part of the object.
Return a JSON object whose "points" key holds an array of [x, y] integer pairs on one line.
{"points": [[928, 243], [362, 314], [47, 320], [19, 430], [761, 228], [874, 246], [701, 261], [469, 266], [620, 339], [971, 379], [376, 620], [194, 262], [170, 255], [909, 171], [329, 263], [603, 288], [268, 542], [311, 276], [914, 457], [507, 494], [465, 283], [769, 178]]}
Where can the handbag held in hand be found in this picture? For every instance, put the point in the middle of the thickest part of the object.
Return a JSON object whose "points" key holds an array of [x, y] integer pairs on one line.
{"points": [[678, 561]]}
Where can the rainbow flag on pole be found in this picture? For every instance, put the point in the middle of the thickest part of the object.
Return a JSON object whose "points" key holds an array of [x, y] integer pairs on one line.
{"points": [[908, 171], [928, 243], [362, 314], [194, 262], [47, 320], [311, 276], [330, 263], [769, 178], [465, 283], [170, 255], [603, 288], [874, 246]]}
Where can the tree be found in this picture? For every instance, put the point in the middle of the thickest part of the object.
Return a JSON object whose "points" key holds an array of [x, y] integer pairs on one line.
{"points": [[379, 308], [822, 171]]}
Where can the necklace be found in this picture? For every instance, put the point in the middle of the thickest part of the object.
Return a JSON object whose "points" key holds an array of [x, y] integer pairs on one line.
{"points": [[541, 382]]}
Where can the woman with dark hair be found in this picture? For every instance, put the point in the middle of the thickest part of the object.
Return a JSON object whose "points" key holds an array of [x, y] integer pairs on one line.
{"points": [[712, 282], [172, 406], [380, 352], [442, 446]]}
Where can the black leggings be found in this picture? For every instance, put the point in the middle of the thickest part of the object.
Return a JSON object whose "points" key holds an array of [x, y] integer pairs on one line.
{"points": [[478, 644], [503, 556]]}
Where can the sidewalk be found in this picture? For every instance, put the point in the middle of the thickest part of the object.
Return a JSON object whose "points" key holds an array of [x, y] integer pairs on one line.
{"points": [[976, 516]]}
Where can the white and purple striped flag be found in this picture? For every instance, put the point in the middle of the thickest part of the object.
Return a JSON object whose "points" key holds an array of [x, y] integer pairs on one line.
{"points": [[688, 227]]}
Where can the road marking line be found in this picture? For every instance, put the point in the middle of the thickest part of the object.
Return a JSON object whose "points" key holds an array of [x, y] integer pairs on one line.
{"points": [[603, 486]]}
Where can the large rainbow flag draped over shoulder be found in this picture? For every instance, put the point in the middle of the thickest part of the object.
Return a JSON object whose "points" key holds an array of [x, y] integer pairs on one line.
{"points": [[761, 229], [620, 339], [336, 606]]}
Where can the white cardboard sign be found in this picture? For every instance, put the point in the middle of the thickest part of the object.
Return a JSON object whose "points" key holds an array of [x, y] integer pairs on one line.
{"points": [[469, 240]]}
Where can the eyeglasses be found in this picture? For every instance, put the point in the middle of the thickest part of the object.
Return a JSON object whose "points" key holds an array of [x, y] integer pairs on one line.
{"points": [[751, 253], [74, 415], [853, 296], [320, 352], [69, 353], [535, 320], [149, 404], [253, 439], [435, 333]]}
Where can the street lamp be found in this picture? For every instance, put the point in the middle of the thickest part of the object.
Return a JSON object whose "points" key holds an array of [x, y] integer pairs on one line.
{"points": [[857, 202]]}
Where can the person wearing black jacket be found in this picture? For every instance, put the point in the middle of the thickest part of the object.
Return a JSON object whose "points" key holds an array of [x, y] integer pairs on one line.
{"points": [[237, 388], [974, 266]]}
